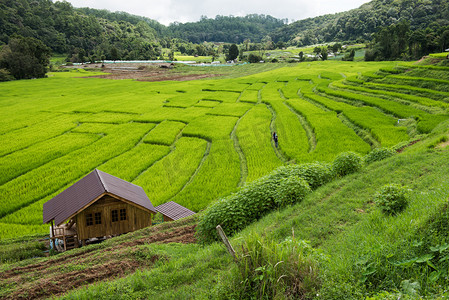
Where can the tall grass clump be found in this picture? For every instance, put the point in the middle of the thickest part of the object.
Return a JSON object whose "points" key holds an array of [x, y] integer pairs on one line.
{"points": [[270, 270], [378, 154], [347, 163], [11, 250]]}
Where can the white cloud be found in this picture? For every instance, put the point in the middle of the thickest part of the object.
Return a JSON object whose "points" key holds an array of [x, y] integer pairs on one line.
{"points": [[167, 11]]}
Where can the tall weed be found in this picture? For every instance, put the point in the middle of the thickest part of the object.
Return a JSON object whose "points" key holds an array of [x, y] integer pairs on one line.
{"points": [[270, 270]]}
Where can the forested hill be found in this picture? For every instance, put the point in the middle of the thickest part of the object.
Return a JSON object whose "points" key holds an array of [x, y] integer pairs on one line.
{"points": [[100, 33], [85, 32], [120, 16], [359, 24], [228, 28], [68, 30]]}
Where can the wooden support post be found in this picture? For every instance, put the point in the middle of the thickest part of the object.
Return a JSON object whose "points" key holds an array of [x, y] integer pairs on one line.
{"points": [[225, 241], [63, 238], [53, 235]]}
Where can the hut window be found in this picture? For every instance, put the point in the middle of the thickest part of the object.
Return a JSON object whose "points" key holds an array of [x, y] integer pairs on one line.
{"points": [[114, 215], [89, 220], [122, 214], [97, 218]]}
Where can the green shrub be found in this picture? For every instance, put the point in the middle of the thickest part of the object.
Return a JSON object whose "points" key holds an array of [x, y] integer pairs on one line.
{"points": [[253, 58], [5, 75], [291, 190], [316, 174], [240, 209], [391, 199], [347, 163], [286, 185], [378, 154]]}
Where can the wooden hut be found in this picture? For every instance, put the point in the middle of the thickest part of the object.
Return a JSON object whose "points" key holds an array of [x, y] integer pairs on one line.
{"points": [[172, 211], [98, 205]]}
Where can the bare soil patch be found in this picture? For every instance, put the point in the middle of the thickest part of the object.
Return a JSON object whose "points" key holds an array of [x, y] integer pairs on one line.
{"points": [[143, 72], [443, 145], [403, 148], [56, 276]]}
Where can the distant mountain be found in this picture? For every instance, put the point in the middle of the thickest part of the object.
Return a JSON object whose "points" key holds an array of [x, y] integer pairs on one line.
{"points": [[360, 24]]}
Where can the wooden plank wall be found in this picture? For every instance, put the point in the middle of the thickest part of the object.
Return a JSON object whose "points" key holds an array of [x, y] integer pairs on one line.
{"points": [[136, 218]]}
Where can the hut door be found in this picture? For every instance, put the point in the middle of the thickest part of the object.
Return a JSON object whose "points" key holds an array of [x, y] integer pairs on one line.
{"points": [[94, 223], [118, 216]]}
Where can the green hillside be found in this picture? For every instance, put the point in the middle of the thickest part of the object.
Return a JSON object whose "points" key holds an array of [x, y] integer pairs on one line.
{"points": [[343, 246], [192, 142], [91, 33], [331, 178], [428, 17]]}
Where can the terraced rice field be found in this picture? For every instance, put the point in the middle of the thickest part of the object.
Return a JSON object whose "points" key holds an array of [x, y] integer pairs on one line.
{"points": [[192, 142]]}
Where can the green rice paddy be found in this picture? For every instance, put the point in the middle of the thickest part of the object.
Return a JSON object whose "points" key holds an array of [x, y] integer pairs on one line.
{"points": [[195, 141]]}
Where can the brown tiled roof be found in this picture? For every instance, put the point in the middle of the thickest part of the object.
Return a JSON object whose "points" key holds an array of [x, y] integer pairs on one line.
{"points": [[88, 189], [174, 211]]}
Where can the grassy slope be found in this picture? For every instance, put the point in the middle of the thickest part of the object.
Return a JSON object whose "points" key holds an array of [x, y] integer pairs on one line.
{"points": [[339, 218]]}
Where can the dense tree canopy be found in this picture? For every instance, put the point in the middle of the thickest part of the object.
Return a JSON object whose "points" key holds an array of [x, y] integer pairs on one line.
{"points": [[24, 58], [87, 34], [398, 41], [233, 52], [68, 30], [228, 29], [360, 24]]}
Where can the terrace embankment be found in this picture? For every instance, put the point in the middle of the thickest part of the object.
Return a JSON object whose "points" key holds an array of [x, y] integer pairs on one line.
{"points": [[114, 258]]}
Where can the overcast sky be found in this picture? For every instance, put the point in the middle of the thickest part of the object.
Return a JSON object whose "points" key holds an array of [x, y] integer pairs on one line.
{"points": [[168, 11]]}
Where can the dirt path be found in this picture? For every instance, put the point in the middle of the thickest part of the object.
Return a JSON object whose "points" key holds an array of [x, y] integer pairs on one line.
{"points": [[56, 276]]}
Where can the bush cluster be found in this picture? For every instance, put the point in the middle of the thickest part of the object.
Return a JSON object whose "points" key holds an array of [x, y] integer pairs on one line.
{"points": [[316, 174], [238, 210], [391, 199], [378, 154], [291, 190], [347, 163], [285, 186], [253, 58]]}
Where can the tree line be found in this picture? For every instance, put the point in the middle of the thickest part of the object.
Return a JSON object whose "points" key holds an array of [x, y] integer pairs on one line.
{"points": [[228, 29], [360, 25], [398, 41], [92, 33], [393, 29]]}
